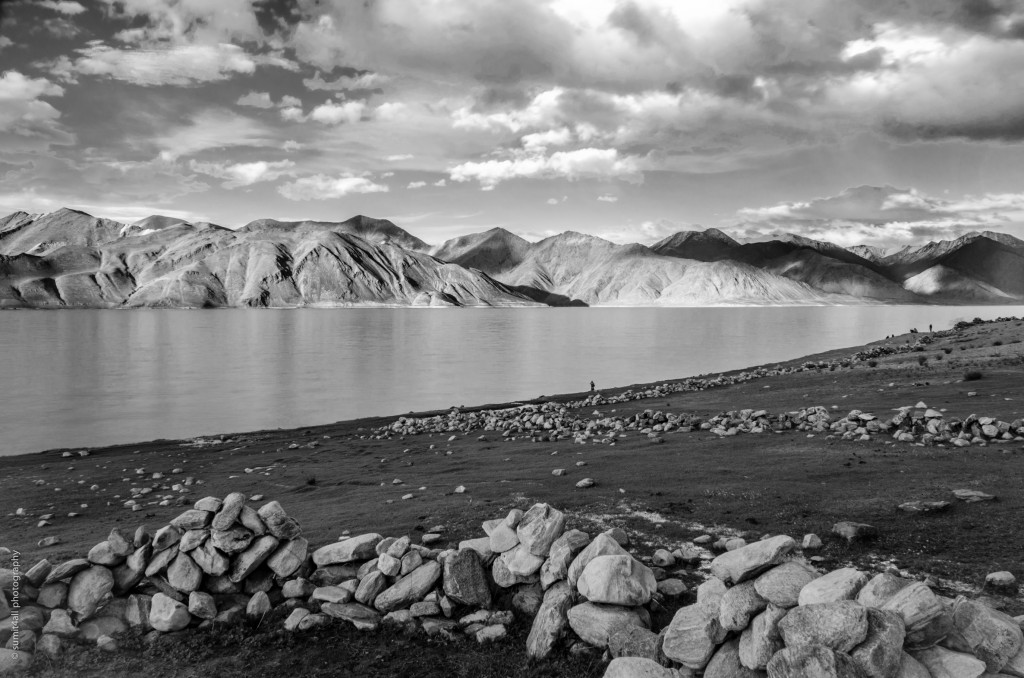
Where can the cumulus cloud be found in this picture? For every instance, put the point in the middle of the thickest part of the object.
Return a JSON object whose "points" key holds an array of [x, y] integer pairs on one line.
{"points": [[603, 163], [256, 100], [26, 120], [883, 216], [332, 113], [181, 65], [416, 184], [323, 187], [244, 173], [5, 41], [63, 6]]}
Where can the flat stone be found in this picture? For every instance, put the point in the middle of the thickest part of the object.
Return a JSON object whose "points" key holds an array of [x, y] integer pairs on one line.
{"points": [[943, 663], [211, 504], [751, 560], [924, 506], [596, 623], [672, 587], [972, 496], [183, 574], [918, 607], [193, 539], [881, 588], [88, 588], [362, 617], [781, 585], [288, 557], [539, 528], [229, 510], [563, 551], [297, 615], [166, 537], [160, 561], [210, 560], [252, 557], [251, 521], [232, 540], [503, 538], [103, 554], [352, 549], [841, 584], [840, 625], [853, 532], [693, 635], [370, 587], [521, 562], [67, 570], [410, 588], [193, 519]]}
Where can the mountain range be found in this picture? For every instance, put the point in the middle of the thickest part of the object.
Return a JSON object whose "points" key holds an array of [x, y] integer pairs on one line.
{"points": [[69, 258]]}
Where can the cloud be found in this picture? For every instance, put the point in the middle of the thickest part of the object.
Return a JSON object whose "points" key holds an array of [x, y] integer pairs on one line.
{"points": [[557, 201], [5, 41], [256, 100], [63, 6], [323, 187], [399, 157], [416, 184], [181, 65], [332, 113], [26, 120], [187, 21], [213, 128], [607, 198], [346, 82], [600, 163], [883, 215], [440, 183], [244, 173]]}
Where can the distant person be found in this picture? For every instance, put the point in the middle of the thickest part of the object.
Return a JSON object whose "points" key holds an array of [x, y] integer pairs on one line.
{"points": [[591, 386], [929, 328]]}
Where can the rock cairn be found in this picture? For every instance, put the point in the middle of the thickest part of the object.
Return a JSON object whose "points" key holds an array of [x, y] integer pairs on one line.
{"points": [[764, 612]]}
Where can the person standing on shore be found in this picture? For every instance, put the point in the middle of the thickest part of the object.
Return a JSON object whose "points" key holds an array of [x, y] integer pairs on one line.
{"points": [[591, 386]]}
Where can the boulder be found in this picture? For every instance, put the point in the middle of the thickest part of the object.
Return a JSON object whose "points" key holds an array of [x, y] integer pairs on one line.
{"points": [[210, 560], [550, 622], [637, 667], [201, 605], [520, 562], [692, 636], [841, 584], [87, 589], [362, 617], [603, 545], [881, 588], [738, 605], [781, 585], [726, 663], [881, 653], [288, 557], [853, 532], [167, 614], [465, 581], [278, 523], [943, 663], [183, 574], [539, 528], [993, 637], [229, 510], [259, 606], [103, 554], [67, 570], [354, 548], [761, 640], [840, 626], [812, 661], [252, 557], [617, 580], [410, 588], [370, 587], [911, 668], [635, 641], [166, 537], [563, 551], [596, 623], [919, 608], [192, 519], [503, 538], [751, 560]]}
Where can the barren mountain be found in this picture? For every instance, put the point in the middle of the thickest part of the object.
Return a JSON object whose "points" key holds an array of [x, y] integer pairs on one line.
{"points": [[377, 231], [21, 232]]}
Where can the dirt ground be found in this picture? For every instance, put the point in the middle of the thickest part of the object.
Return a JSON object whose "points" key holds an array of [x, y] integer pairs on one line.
{"points": [[662, 494]]}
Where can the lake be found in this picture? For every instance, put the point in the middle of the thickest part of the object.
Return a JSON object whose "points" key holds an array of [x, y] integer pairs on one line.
{"points": [[78, 378]]}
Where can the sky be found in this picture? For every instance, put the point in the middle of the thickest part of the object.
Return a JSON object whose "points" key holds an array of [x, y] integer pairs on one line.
{"points": [[874, 122]]}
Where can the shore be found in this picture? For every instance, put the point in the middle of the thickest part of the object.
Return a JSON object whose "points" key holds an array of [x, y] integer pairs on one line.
{"points": [[337, 477]]}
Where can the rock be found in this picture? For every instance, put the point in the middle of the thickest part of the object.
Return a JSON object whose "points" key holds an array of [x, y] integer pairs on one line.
{"points": [[288, 557], [229, 510], [331, 594], [918, 607], [297, 615], [14, 661], [603, 545], [482, 546], [138, 611], [389, 565], [671, 588], [211, 504], [911, 668], [585, 483], [521, 563], [881, 588], [1001, 580], [761, 640], [637, 667], [618, 534], [160, 561], [738, 605], [943, 663], [726, 663], [617, 580], [781, 585], [354, 548], [812, 661], [362, 617], [410, 588], [399, 547], [550, 622], [852, 532], [841, 584], [201, 605], [251, 521], [811, 542], [502, 576], [490, 634], [539, 529], [49, 646], [972, 496], [881, 653], [663, 558], [840, 625], [691, 637], [167, 614], [924, 506], [60, 625], [88, 588], [503, 538], [751, 560], [635, 641], [252, 557], [277, 521], [93, 629], [183, 574], [67, 570], [370, 587], [993, 637], [193, 539], [710, 593], [103, 554], [426, 608], [563, 551], [52, 595], [210, 560], [465, 581], [193, 519], [37, 574], [596, 623], [298, 588], [166, 537], [259, 606], [233, 540]]}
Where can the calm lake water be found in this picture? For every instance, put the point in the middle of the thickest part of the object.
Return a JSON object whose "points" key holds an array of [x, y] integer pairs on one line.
{"points": [[85, 378]]}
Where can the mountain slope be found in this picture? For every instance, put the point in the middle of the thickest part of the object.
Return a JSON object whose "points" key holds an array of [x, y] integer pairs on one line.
{"points": [[377, 231], [708, 245], [492, 251], [48, 232]]}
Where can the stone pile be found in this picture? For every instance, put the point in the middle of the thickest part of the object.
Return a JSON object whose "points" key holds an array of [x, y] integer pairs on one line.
{"points": [[765, 612]]}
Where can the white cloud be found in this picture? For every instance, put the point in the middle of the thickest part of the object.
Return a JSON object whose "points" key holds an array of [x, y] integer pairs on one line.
{"points": [[399, 157], [607, 198], [605, 163], [5, 41], [63, 6], [187, 21], [288, 101], [323, 187], [440, 183], [180, 65], [26, 120], [292, 145], [391, 110], [256, 100], [292, 114], [346, 82], [244, 173], [332, 113], [416, 184], [213, 128], [557, 201]]}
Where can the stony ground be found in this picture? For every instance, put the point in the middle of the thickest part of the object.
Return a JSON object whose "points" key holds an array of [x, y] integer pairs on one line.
{"points": [[334, 478]]}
